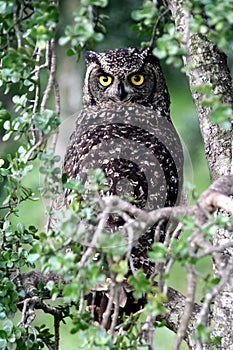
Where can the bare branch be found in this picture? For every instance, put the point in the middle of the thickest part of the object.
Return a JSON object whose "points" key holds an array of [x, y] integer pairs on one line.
{"points": [[216, 196], [108, 310], [154, 32], [95, 239], [188, 308], [213, 198], [175, 309], [51, 58]]}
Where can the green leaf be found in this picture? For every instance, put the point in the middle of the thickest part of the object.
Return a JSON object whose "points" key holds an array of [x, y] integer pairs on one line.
{"points": [[158, 253], [140, 283], [121, 269], [100, 3], [63, 40], [33, 257], [221, 115], [2, 315], [98, 37], [203, 333], [3, 342], [160, 51], [70, 52], [8, 327], [113, 244], [20, 228]]}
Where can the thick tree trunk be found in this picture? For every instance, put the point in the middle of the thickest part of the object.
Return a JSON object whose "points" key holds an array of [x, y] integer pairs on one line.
{"points": [[207, 65]]}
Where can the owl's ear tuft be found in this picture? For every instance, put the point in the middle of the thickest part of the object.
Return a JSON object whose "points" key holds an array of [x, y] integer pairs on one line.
{"points": [[91, 57], [146, 53], [148, 56]]}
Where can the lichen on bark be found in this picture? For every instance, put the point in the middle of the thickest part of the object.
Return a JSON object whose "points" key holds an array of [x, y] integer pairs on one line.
{"points": [[205, 64], [209, 66]]}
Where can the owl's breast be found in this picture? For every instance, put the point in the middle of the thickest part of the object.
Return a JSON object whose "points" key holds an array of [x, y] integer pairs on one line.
{"points": [[138, 150]]}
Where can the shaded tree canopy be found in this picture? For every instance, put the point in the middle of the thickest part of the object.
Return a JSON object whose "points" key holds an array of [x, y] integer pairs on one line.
{"points": [[43, 263]]}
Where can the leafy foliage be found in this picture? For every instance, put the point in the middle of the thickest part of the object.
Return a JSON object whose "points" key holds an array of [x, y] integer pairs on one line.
{"points": [[88, 27], [153, 21], [214, 19], [220, 112], [28, 119]]}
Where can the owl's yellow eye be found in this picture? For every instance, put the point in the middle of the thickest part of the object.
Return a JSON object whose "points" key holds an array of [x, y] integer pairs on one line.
{"points": [[137, 79], [105, 80]]}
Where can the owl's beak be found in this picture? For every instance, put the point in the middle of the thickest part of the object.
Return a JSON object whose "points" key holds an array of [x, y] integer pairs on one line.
{"points": [[121, 91]]}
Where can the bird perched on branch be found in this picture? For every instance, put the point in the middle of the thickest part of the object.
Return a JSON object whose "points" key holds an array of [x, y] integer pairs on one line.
{"points": [[125, 129]]}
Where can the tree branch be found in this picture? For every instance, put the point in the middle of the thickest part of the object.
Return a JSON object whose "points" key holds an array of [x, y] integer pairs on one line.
{"points": [[183, 314], [188, 308], [215, 197]]}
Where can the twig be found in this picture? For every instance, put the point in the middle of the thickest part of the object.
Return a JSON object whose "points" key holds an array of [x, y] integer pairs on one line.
{"points": [[188, 308], [148, 218], [38, 68], [211, 250], [108, 310], [51, 58], [149, 331], [12, 205], [58, 112], [37, 91], [168, 267], [153, 36], [35, 147], [90, 14], [81, 303], [94, 241], [54, 143], [16, 26], [26, 319], [116, 309], [57, 320], [209, 201], [29, 315]]}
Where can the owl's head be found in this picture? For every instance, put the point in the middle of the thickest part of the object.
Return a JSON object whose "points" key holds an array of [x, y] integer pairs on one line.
{"points": [[123, 76]]}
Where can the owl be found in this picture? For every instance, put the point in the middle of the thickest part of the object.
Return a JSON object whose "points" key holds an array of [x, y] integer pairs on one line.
{"points": [[125, 75], [125, 129]]}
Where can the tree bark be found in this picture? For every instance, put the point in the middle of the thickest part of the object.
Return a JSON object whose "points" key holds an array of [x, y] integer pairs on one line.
{"points": [[207, 65]]}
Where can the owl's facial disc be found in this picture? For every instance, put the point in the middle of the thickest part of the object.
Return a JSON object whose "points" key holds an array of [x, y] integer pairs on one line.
{"points": [[121, 89], [112, 88]]}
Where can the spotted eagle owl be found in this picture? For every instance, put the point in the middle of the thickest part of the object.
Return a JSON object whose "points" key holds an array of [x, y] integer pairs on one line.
{"points": [[125, 129]]}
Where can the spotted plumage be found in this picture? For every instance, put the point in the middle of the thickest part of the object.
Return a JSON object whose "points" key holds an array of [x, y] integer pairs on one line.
{"points": [[125, 129], [121, 64]]}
